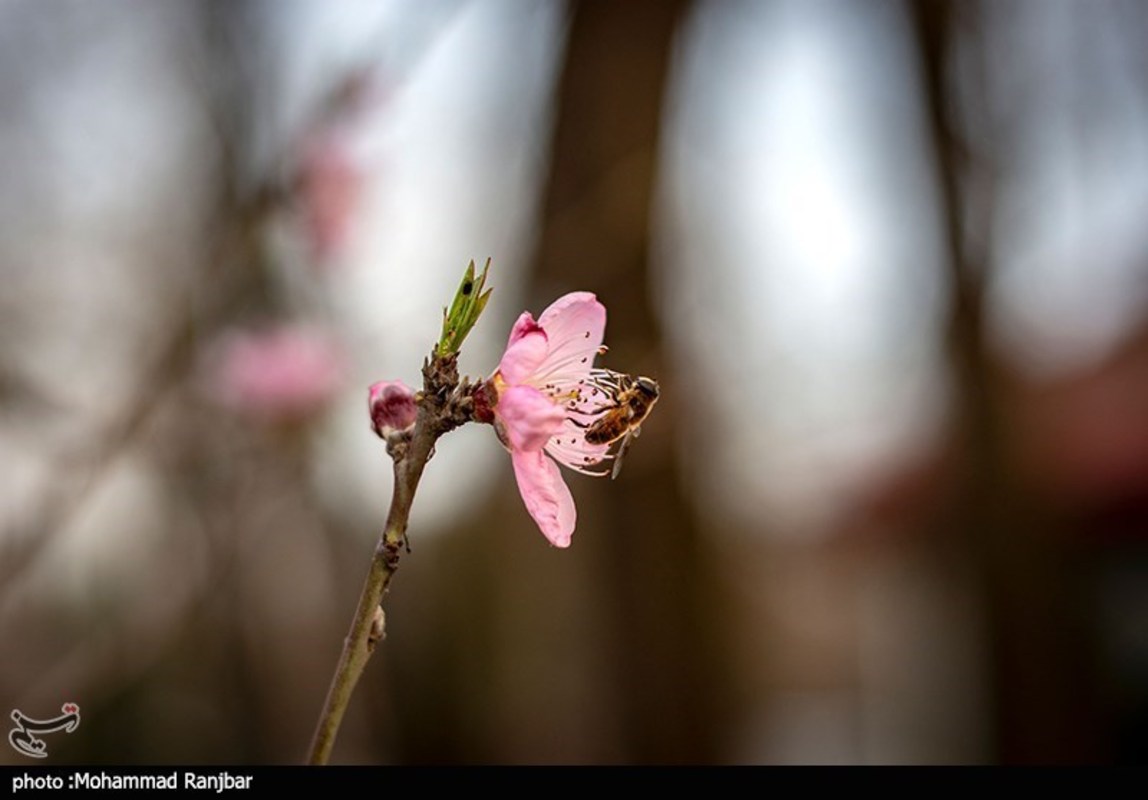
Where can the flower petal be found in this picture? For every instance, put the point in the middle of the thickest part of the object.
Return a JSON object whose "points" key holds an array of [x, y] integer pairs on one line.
{"points": [[525, 351], [529, 417], [575, 324], [522, 326], [570, 448], [546, 495]]}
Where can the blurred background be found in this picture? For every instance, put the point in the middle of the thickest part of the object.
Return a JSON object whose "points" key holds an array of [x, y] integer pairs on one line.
{"points": [[888, 261]]}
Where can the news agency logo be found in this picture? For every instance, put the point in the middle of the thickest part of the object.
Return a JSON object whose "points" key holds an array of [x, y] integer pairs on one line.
{"points": [[23, 736]]}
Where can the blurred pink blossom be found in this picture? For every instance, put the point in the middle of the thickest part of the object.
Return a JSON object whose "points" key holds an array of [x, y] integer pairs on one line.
{"points": [[333, 165], [544, 386], [331, 187], [280, 374]]}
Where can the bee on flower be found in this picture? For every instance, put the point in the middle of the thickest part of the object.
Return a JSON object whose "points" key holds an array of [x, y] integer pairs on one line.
{"points": [[552, 406]]}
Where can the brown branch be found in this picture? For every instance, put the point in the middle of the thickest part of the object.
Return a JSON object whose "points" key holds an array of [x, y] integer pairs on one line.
{"points": [[443, 405]]}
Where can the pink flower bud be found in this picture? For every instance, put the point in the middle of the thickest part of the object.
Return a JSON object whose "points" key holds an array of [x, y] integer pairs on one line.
{"points": [[392, 407]]}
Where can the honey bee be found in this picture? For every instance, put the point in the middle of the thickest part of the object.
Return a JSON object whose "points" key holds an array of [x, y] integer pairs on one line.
{"points": [[632, 399]]}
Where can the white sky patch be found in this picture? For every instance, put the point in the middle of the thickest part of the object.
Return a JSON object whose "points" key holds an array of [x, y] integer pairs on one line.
{"points": [[806, 216], [820, 298], [1072, 249], [1074, 259], [829, 315]]}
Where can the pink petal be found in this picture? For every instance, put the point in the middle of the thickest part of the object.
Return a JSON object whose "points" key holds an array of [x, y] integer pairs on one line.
{"points": [[529, 417], [522, 326], [546, 496], [525, 350], [570, 448], [575, 325]]}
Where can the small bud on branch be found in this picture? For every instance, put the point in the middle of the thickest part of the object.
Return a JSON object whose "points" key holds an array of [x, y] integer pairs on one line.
{"points": [[469, 302]]}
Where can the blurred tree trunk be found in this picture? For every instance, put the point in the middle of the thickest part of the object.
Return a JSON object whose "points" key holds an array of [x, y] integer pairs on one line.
{"points": [[652, 564], [1039, 707]]}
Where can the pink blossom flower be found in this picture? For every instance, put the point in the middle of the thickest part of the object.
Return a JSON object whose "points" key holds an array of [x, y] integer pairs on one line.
{"points": [[331, 184], [335, 165], [283, 373], [545, 396], [392, 406]]}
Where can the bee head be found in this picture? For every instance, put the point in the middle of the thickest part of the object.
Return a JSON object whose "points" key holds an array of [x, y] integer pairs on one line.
{"points": [[648, 387]]}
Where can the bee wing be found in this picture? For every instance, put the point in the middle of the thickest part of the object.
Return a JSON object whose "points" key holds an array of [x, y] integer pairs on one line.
{"points": [[622, 448]]}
